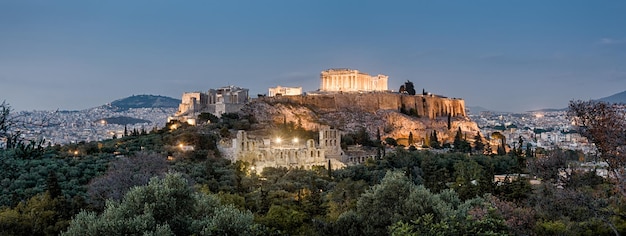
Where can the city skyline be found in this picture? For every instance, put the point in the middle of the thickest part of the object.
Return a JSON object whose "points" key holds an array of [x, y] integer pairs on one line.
{"points": [[505, 56]]}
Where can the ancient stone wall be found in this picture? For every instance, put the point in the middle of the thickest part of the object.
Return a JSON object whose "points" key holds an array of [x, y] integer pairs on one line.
{"points": [[424, 105]]}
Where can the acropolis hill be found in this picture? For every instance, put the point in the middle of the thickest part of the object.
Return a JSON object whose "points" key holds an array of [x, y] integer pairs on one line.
{"points": [[393, 114]]}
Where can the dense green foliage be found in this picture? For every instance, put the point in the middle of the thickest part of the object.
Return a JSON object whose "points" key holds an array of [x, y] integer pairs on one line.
{"points": [[165, 206], [21, 179]]}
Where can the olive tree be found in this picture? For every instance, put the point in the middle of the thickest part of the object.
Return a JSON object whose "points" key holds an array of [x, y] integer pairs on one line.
{"points": [[166, 206]]}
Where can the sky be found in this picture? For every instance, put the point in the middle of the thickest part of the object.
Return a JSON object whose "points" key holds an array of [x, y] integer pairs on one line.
{"points": [[501, 55]]}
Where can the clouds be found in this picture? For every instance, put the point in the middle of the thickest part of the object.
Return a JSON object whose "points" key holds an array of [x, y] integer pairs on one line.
{"points": [[610, 41]]}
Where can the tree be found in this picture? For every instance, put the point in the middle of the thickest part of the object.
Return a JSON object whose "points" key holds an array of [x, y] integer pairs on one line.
{"points": [[384, 204], [460, 143], [380, 149], [479, 146], [205, 117], [520, 142], [580, 201], [6, 124], [604, 124], [52, 185], [408, 86], [11, 127], [123, 174], [391, 141], [410, 138], [529, 150], [458, 139], [502, 147], [397, 206], [165, 206], [434, 140], [39, 215], [501, 150]]}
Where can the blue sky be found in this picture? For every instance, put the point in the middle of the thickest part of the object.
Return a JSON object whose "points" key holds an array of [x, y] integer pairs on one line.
{"points": [[502, 55]]}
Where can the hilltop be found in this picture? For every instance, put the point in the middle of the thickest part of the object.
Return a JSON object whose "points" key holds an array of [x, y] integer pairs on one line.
{"points": [[146, 101], [615, 98], [350, 112]]}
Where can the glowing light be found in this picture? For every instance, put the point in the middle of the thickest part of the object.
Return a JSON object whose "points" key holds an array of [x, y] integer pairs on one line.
{"points": [[538, 115], [181, 146], [76, 152], [295, 140], [279, 140]]}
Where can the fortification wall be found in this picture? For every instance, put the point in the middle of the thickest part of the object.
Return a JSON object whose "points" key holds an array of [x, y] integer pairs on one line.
{"points": [[424, 105]]}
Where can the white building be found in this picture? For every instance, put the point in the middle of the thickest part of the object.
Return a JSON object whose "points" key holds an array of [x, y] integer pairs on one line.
{"points": [[284, 91]]}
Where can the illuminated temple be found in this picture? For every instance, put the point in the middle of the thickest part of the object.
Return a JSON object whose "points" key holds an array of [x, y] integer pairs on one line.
{"points": [[348, 80]]}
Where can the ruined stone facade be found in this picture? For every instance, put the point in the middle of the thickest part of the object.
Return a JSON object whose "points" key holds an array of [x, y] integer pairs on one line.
{"points": [[347, 80], [284, 91], [215, 101], [267, 152]]}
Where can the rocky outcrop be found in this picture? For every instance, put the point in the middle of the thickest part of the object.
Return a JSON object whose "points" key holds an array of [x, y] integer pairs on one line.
{"points": [[430, 106], [373, 111]]}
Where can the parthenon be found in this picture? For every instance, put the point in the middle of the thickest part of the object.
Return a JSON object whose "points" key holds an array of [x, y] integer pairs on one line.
{"points": [[348, 80]]}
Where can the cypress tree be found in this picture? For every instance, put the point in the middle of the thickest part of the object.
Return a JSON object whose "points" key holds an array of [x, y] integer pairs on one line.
{"points": [[457, 141], [330, 170], [478, 144], [52, 185]]}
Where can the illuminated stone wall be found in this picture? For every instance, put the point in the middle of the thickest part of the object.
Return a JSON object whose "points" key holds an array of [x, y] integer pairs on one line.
{"points": [[215, 101], [429, 106], [265, 152], [191, 102]]}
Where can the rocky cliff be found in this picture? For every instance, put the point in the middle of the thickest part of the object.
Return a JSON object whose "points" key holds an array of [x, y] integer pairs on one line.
{"points": [[373, 111]]}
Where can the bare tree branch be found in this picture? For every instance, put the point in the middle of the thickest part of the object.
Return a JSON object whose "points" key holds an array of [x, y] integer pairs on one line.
{"points": [[604, 124]]}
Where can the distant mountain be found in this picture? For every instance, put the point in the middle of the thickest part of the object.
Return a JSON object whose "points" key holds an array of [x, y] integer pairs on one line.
{"points": [[549, 110], [476, 109], [123, 120], [615, 98], [146, 101]]}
